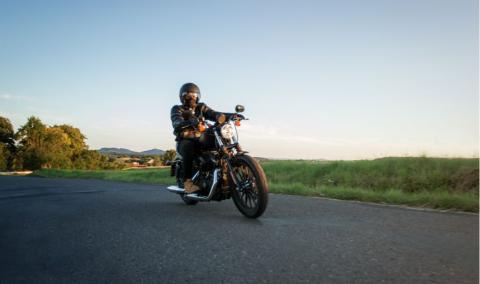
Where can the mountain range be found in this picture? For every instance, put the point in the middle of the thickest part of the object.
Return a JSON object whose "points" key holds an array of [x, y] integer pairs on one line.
{"points": [[123, 151]]}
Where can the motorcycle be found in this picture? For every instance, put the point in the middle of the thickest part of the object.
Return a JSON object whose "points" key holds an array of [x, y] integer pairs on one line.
{"points": [[223, 170]]}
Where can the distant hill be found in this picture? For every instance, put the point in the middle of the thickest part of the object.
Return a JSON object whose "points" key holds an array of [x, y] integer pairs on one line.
{"points": [[118, 151], [123, 151], [153, 152]]}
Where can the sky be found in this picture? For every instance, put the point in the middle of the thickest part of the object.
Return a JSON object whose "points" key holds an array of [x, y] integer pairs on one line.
{"points": [[318, 79]]}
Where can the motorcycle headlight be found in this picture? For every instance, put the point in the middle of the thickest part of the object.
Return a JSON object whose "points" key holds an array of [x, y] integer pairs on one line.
{"points": [[227, 131]]}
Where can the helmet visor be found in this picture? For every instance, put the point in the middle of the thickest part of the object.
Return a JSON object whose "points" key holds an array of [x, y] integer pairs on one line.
{"points": [[189, 96]]}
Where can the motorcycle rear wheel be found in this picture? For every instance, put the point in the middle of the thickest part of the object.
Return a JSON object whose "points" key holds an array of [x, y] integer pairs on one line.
{"points": [[252, 199]]}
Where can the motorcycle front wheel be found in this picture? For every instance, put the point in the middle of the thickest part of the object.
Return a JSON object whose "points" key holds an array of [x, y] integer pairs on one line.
{"points": [[251, 196]]}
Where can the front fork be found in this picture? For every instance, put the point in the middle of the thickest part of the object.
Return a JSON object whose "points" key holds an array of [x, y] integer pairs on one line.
{"points": [[226, 164], [240, 185]]}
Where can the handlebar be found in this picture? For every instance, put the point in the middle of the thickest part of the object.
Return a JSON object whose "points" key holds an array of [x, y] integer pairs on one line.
{"points": [[239, 118]]}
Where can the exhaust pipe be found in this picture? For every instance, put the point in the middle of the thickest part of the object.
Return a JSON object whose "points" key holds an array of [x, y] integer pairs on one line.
{"points": [[194, 196]]}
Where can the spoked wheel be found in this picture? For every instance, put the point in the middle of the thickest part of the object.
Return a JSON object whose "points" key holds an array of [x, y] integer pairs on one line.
{"points": [[251, 196], [187, 201]]}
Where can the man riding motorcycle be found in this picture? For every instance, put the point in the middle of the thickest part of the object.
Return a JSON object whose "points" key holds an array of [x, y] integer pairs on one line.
{"points": [[188, 124]]}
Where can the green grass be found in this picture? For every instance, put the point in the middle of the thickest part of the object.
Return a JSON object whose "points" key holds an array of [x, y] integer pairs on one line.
{"points": [[439, 200], [417, 181], [407, 174]]}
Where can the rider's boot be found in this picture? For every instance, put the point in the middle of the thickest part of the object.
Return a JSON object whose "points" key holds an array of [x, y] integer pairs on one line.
{"points": [[190, 187]]}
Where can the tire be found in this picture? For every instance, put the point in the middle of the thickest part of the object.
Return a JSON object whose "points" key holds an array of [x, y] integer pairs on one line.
{"points": [[245, 201], [180, 184]]}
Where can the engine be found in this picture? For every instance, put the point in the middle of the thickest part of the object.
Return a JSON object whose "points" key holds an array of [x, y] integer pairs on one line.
{"points": [[206, 162]]}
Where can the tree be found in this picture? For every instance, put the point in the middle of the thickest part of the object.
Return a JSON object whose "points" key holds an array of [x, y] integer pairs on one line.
{"points": [[76, 140], [90, 160], [58, 151], [6, 131], [59, 146], [65, 144], [157, 160], [169, 156], [31, 149], [93, 160], [7, 144], [3, 158]]}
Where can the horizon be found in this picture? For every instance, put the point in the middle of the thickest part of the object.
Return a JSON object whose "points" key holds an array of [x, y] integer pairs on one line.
{"points": [[423, 155], [319, 80], [405, 155]]}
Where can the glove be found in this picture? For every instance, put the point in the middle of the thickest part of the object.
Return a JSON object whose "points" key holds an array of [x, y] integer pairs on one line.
{"points": [[193, 121], [221, 118], [236, 116], [187, 114]]}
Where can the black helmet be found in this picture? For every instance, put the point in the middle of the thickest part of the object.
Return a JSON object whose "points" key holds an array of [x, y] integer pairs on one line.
{"points": [[189, 88]]}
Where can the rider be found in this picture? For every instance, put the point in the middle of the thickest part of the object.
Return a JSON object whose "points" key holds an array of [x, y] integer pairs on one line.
{"points": [[187, 121]]}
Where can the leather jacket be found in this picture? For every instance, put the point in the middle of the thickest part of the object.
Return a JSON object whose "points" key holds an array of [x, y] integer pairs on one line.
{"points": [[181, 115]]}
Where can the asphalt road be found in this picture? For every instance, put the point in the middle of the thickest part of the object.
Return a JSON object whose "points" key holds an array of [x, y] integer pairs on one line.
{"points": [[91, 231]]}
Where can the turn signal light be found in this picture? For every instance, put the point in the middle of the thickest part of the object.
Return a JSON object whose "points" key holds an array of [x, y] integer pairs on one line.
{"points": [[201, 127]]}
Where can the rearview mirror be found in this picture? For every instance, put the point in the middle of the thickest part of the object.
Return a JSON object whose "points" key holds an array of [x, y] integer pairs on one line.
{"points": [[239, 108]]}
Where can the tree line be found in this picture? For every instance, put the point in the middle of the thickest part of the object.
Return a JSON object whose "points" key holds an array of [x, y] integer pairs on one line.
{"points": [[36, 145]]}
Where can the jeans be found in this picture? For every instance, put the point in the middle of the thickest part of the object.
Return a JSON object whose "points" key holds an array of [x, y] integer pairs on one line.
{"points": [[188, 148]]}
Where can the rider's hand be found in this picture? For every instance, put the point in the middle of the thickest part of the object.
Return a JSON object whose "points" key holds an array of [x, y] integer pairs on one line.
{"points": [[237, 116], [194, 121], [187, 114], [221, 118]]}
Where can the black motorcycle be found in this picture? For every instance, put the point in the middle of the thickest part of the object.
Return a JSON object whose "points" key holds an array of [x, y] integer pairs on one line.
{"points": [[223, 170]]}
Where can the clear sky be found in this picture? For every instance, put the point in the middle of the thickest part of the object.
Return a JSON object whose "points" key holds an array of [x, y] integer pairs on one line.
{"points": [[319, 79]]}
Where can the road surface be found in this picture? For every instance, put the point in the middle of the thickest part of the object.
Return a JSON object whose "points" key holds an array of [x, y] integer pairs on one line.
{"points": [[93, 231]]}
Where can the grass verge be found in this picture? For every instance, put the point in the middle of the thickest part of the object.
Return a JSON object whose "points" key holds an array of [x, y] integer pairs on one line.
{"points": [[439, 200]]}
